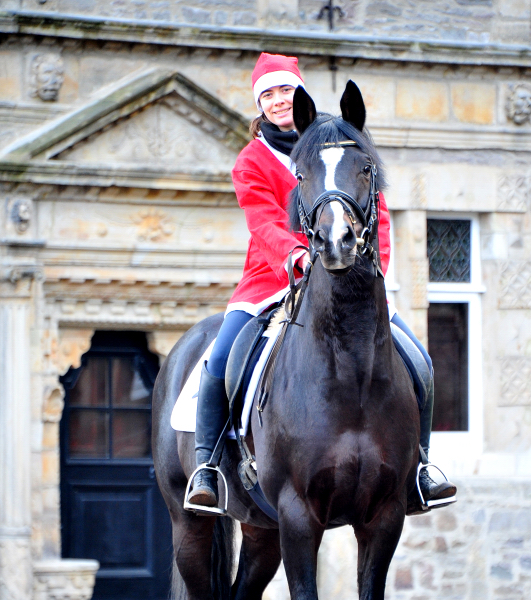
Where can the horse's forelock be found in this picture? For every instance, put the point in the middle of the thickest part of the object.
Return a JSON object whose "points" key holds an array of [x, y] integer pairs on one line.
{"points": [[308, 150]]}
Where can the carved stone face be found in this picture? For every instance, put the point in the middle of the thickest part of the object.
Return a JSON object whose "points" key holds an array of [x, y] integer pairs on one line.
{"points": [[47, 76], [21, 215], [519, 103]]}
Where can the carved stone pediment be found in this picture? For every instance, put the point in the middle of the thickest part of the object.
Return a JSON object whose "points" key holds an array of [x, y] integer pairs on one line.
{"points": [[152, 125], [166, 132]]}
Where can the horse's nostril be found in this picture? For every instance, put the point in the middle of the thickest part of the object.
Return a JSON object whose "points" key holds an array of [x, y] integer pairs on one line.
{"points": [[318, 239], [349, 239]]}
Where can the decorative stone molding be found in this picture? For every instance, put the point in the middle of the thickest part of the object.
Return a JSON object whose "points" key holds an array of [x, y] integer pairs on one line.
{"points": [[153, 225], [73, 343], [66, 579], [514, 192], [372, 44], [515, 381], [21, 213], [46, 76], [161, 342], [515, 285], [99, 313], [518, 105], [53, 403]]}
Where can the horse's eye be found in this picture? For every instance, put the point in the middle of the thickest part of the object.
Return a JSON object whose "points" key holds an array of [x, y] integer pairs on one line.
{"points": [[300, 176], [367, 169]]}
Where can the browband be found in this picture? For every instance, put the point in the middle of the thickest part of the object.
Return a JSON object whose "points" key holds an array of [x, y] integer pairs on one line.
{"points": [[343, 143]]}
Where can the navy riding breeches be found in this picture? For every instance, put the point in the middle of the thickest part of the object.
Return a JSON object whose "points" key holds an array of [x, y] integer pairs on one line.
{"points": [[230, 328], [398, 321]]}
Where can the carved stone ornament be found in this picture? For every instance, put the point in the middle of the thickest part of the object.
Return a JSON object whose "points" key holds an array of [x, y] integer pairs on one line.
{"points": [[518, 106], [53, 404], [153, 225], [515, 285], [73, 343], [46, 76], [66, 579], [515, 381], [514, 192], [21, 214]]}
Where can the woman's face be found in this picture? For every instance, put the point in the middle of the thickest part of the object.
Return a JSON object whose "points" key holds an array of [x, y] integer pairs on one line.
{"points": [[277, 104]]}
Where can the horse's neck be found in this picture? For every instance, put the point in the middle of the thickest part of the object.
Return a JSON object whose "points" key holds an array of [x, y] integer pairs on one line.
{"points": [[348, 317]]}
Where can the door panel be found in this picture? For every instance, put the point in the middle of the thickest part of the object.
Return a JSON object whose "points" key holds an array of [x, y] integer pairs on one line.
{"points": [[111, 507]]}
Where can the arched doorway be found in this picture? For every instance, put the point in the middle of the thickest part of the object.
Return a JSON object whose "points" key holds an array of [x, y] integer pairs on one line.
{"points": [[111, 507]]}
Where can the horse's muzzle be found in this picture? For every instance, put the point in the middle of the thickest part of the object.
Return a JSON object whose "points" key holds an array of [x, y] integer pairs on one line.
{"points": [[335, 239], [339, 272]]}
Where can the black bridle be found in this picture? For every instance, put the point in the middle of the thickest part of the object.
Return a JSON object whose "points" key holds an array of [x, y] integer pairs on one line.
{"points": [[368, 217]]}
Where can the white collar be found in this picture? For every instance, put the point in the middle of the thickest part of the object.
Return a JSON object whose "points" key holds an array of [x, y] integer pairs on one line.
{"points": [[283, 158]]}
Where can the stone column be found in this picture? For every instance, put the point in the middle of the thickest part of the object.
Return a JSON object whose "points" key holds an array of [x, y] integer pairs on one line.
{"points": [[15, 442], [412, 270]]}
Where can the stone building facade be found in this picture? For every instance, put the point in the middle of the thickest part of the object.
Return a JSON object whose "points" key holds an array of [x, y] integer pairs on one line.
{"points": [[119, 124]]}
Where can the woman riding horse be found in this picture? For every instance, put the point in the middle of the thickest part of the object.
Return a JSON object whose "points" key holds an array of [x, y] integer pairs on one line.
{"points": [[263, 177]]}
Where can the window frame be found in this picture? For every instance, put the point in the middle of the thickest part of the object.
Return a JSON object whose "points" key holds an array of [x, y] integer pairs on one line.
{"points": [[459, 450]]}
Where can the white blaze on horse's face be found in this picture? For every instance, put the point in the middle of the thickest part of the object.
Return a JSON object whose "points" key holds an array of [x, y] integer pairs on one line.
{"points": [[331, 158]]}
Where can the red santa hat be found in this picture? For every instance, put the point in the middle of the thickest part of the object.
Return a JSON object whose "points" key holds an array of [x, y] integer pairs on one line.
{"points": [[272, 70]]}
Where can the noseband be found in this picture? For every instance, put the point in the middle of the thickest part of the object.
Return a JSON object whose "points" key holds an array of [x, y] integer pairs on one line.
{"points": [[352, 208]]}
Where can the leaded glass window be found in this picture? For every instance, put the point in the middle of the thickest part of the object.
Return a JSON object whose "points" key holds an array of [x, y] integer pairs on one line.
{"points": [[449, 250]]}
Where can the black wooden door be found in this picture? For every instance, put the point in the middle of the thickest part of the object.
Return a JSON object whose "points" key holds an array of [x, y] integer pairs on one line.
{"points": [[111, 507]]}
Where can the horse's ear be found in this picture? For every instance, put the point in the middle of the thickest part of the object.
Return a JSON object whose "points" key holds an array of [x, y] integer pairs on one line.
{"points": [[352, 106], [304, 111]]}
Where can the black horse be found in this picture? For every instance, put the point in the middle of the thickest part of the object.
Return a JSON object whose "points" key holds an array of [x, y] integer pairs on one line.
{"points": [[340, 435]]}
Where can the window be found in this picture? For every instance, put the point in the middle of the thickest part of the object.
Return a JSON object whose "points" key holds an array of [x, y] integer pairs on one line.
{"points": [[110, 410], [454, 336], [448, 347], [107, 412]]}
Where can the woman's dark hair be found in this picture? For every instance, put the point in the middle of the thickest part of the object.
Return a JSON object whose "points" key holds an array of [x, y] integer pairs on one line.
{"points": [[256, 125]]}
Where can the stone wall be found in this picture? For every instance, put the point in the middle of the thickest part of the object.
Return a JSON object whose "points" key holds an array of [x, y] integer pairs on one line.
{"points": [[477, 549], [409, 105], [501, 21]]}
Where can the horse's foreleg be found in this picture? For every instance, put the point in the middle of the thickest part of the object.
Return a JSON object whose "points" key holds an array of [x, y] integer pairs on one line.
{"points": [[300, 538], [192, 544], [376, 545], [259, 561]]}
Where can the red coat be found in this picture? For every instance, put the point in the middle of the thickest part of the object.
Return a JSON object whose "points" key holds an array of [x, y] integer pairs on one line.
{"points": [[263, 181]]}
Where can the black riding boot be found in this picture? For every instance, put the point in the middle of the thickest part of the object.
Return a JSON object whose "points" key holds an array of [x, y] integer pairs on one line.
{"points": [[212, 414], [431, 490]]}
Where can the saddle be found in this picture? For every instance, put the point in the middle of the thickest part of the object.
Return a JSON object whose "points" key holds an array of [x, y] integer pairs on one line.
{"points": [[245, 352], [244, 355], [415, 363]]}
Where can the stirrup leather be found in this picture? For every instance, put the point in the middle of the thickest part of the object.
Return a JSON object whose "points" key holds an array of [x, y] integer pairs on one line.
{"points": [[427, 505], [199, 509]]}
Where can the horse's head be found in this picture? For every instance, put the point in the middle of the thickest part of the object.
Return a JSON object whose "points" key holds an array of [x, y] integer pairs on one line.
{"points": [[339, 175]]}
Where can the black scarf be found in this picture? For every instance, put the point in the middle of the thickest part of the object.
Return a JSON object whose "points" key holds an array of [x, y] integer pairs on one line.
{"points": [[283, 141]]}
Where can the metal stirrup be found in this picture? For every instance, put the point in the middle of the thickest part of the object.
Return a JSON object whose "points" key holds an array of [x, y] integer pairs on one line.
{"points": [[199, 509], [427, 504]]}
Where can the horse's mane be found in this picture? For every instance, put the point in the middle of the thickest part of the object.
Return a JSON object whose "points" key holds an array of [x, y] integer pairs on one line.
{"points": [[325, 130]]}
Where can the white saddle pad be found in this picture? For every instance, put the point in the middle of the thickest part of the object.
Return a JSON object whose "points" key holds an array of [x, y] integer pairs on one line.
{"points": [[184, 412]]}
